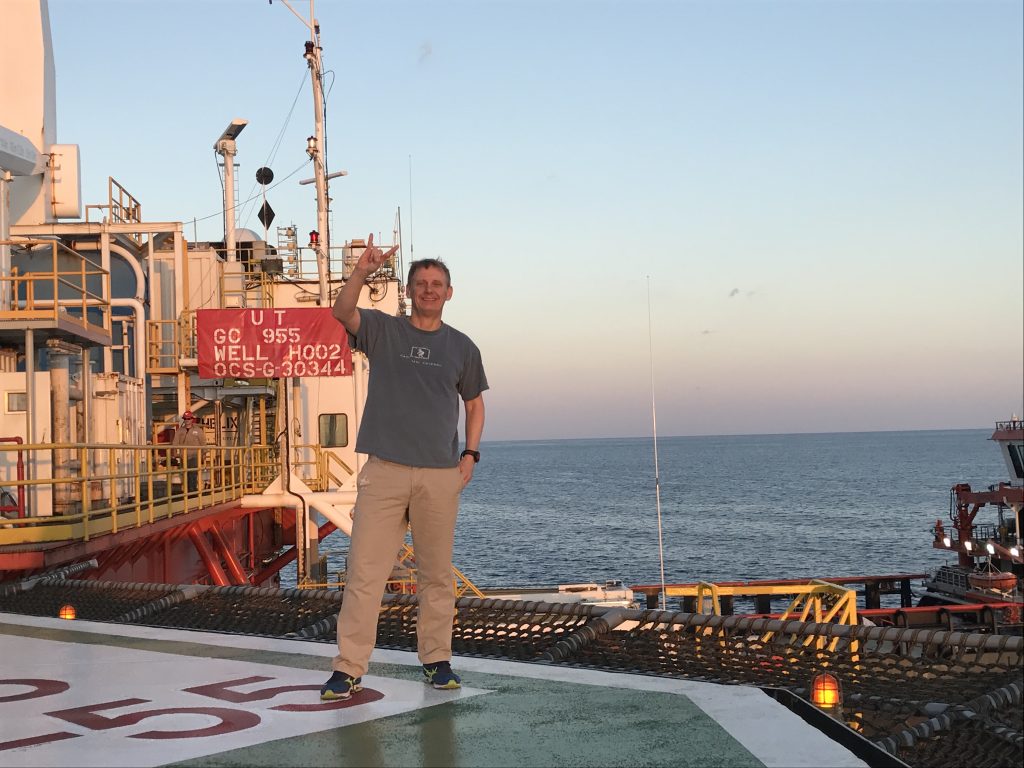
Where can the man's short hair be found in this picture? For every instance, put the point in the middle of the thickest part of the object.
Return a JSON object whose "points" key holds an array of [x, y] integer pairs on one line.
{"points": [[424, 263]]}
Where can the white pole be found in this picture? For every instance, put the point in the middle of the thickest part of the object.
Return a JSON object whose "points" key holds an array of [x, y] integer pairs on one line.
{"points": [[316, 150], [228, 153], [5, 250], [654, 424]]}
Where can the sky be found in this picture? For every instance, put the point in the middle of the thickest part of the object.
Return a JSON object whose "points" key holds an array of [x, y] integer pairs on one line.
{"points": [[788, 216]]}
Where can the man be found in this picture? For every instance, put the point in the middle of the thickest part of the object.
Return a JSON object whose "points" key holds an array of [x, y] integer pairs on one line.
{"points": [[419, 368], [190, 438]]}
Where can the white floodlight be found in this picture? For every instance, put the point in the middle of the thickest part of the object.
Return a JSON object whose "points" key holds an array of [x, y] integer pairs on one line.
{"points": [[946, 541], [234, 128], [968, 546], [1014, 552]]}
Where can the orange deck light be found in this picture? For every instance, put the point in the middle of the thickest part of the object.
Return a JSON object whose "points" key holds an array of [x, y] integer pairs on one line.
{"points": [[825, 692], [67, 612]]}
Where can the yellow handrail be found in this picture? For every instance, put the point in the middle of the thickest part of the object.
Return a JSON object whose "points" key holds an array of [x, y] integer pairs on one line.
{"points": [[113, 487]]}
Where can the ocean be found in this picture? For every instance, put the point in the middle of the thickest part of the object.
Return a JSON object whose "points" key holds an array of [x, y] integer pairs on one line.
{"points": [[542, 513]]}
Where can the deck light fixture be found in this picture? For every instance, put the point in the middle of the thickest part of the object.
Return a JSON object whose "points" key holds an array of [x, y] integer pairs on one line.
{"points": [[968, 546], [1014, 552], [67, 612], [946, 541], [826, 693], [990, 548]]}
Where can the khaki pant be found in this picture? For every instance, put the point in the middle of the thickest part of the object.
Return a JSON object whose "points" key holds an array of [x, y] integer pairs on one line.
{"points": [[392, 497]]}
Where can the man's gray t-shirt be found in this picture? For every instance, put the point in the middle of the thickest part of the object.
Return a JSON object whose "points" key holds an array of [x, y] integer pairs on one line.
{"points": [[416, 379]]}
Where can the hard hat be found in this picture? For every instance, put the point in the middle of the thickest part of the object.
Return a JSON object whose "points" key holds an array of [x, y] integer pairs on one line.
{"points": [[187, 415]]}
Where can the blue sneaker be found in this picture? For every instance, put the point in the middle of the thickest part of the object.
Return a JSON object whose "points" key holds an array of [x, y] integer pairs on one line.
{"points": [[440, 676], [340, 686]]}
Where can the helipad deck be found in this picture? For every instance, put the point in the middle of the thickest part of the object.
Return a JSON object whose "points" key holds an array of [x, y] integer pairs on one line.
{"points": [[93, 694]]}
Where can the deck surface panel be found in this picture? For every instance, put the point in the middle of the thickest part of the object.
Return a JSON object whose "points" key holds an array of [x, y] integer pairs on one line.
{"points": [[99, 694]]}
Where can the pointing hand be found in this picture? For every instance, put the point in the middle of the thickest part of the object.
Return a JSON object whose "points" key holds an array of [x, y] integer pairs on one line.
{"points": [[372, 258]]}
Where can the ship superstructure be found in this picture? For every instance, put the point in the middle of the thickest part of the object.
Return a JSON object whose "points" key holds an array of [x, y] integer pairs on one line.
{"points": [[101, 320]]}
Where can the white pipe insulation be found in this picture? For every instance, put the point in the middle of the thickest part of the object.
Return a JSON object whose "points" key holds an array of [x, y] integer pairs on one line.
{"points": [[324, 502]]}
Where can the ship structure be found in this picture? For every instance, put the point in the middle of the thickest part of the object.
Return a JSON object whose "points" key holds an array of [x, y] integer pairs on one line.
{"points": [[990, 567], [112, 326]]}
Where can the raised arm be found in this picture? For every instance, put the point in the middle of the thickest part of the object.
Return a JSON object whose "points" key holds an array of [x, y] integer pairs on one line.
{"points": [[344, 309], [474, 431]]}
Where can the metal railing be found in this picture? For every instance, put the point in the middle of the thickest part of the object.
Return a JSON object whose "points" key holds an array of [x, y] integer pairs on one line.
{"points": [[106, 488], [169, 342], [403, 579], [75, 291], [818, 601]]}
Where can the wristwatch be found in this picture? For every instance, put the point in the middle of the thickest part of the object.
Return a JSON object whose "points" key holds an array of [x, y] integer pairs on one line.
{"points": [[474, 454]]}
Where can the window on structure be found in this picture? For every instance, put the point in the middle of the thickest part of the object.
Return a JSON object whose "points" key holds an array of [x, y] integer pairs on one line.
{"points": [[333, 430], [16, 402]]}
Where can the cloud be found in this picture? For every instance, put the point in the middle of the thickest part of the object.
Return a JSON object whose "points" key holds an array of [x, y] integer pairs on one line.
{"points": [[706, 332], [734, 292], [426, 51]]}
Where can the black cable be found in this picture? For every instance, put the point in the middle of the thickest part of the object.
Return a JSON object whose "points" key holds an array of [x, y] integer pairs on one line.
{"points": [[221, 213]]}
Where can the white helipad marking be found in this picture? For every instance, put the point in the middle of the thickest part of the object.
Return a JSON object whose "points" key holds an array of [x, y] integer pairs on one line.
{"points": [[90, 705], [772, 733]]}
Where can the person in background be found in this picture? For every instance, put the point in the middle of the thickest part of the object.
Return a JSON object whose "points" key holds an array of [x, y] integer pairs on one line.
{"points": [[420, 369], [189, 439]]}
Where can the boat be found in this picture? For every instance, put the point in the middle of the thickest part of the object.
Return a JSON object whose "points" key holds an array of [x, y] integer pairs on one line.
{"points": [[990, 567]]}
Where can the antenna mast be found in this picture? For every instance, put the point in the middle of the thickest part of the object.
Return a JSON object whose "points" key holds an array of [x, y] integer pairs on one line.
{"points": [[654, 424], [315, 148]]}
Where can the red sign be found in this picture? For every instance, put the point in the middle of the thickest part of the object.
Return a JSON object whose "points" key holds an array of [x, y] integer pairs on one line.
{"points": [[271, 343]]}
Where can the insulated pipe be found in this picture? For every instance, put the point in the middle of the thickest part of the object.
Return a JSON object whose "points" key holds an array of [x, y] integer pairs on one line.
{"points": [[30, 414], [124, 253], [106, 250], [141, 338], [324, 503], [58, 353]]}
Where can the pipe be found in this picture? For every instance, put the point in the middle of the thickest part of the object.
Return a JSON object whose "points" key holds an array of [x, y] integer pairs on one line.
{"points": [[30, 415], [135, 302], [58, 353], [21, 477], [324, 502], [140, 333], [126, 255], [105, 249]]}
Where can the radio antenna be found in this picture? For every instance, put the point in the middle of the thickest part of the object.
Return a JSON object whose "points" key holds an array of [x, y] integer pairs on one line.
{"points": [[412, 247], [654, 425]]}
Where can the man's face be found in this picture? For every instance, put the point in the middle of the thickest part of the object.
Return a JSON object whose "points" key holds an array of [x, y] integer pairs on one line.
{"points": [[429, 290], [188, 422]]}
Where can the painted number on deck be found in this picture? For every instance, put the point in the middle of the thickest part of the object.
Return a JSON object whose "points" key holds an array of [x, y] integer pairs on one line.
{"points": [[229, 719]]}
